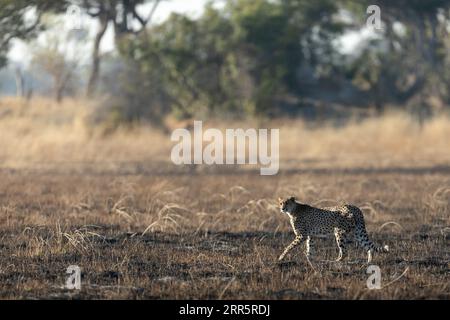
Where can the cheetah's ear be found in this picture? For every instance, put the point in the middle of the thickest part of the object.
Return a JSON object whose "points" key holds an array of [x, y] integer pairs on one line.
{"points": [[292, 198], [280, 200]]}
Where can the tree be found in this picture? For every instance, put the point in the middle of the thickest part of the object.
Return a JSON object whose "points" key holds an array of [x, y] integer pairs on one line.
{"points": [[57, 54], [123, 15], [238, 60], [411, 55], [54, 63]]}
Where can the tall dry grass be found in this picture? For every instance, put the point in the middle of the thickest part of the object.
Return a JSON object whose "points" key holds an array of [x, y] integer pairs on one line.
{"points": [[41, 131]]}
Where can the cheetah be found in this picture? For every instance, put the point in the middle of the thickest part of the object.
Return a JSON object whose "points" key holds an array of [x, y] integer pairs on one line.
{"points": [[344, 221]]}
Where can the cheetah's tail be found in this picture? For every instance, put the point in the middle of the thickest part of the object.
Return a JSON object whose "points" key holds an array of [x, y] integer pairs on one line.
{"points": [[362, 236], [364, 241], [384, 248]]}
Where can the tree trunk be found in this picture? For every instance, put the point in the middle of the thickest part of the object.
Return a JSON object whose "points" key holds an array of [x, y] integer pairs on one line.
{"points": [[20, 83], [59, 95], [95, 68]]}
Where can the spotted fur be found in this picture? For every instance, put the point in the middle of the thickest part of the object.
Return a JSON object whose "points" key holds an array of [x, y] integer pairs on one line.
{"points": [[344, 221]]}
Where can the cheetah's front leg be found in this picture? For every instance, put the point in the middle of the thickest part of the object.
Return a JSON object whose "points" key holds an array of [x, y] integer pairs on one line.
{"points": [[298, 239]]}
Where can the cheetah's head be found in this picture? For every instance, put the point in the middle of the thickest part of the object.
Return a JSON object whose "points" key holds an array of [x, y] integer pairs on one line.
{"points": [[286, 205]]}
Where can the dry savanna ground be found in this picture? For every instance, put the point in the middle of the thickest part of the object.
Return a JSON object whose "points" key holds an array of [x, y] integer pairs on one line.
{"points": [[140, 227]]}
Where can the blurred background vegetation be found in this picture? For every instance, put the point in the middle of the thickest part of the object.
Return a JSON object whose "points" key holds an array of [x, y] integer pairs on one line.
{"points": [[240, 59]]}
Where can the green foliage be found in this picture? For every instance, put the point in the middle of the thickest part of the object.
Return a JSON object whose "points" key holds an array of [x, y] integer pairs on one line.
{"points": [[13, 23], [235, 61], [410, 56]]}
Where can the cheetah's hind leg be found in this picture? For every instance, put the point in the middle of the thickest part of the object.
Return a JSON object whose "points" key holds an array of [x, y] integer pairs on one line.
{"points": [[341, 240]]}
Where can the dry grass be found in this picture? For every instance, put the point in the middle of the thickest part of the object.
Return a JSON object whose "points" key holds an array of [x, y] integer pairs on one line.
{"points": [[139, 227]]}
